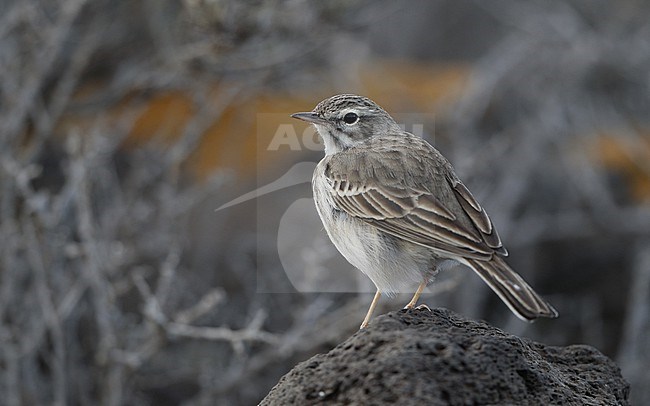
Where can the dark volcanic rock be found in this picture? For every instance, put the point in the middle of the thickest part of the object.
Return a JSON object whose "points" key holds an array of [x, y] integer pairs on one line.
{"points": [[440, 358]]}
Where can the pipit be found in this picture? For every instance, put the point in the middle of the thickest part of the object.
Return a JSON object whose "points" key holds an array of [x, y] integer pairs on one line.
{"points": [[396, 210]]}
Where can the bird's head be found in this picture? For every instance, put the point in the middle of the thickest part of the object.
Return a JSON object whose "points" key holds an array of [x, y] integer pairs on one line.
{"points": [[347, 120]]}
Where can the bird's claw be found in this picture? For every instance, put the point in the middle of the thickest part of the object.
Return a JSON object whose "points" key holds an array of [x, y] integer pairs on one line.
{"points": [[420, 307]]}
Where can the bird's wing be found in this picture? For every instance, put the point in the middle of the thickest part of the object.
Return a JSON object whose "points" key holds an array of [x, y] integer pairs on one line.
{"points": [[477, 215], [413, 195]]}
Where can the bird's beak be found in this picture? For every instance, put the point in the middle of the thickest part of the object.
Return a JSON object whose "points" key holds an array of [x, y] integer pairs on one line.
{"points": [[309, 117]]}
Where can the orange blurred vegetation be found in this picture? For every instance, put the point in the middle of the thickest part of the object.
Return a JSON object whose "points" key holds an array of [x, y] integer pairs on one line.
{"points": [[234, 140], [627, 156]]}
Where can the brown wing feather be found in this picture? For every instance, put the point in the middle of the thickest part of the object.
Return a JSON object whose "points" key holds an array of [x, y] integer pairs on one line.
{"points": [[478, 216], [407, 207]]}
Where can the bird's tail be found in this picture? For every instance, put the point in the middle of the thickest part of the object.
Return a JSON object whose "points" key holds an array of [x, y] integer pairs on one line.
{"points": [[512, 289]]}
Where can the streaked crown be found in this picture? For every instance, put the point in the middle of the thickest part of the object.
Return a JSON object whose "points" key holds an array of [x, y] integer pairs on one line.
{"points": [[334, 105]]}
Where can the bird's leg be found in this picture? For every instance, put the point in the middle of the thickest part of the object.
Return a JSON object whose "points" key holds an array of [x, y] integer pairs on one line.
{"points": [[417, 294], [366, 320]]}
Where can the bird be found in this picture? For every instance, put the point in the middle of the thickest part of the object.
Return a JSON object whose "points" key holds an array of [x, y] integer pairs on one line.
{"points": [[394, 207]]}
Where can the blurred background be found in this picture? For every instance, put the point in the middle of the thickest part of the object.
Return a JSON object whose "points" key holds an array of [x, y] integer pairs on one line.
{"points": [[125, 124]]}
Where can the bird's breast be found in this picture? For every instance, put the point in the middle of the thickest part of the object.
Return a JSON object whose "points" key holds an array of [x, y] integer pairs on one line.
{"points": [[389, 262]]}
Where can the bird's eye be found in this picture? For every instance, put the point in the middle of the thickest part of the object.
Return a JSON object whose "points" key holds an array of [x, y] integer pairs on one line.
{"points": [[350, 118]]}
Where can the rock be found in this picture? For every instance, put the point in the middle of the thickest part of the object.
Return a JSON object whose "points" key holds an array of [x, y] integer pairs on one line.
{"points": [[440, 358]]}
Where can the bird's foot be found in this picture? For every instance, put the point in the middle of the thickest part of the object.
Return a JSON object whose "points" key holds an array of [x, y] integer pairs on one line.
{"points": [[420, 307]]}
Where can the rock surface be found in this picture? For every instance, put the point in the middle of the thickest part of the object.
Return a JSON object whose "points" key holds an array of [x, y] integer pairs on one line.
{"points": [[440, 358]]}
